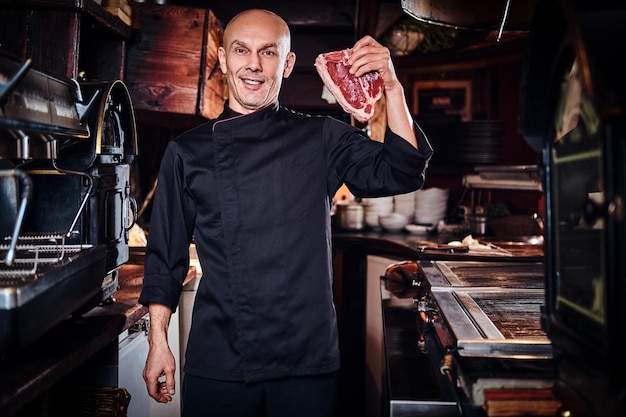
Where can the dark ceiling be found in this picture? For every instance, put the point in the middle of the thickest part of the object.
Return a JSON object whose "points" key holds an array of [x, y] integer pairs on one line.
{"points": [[337, 16], [355, 18]]}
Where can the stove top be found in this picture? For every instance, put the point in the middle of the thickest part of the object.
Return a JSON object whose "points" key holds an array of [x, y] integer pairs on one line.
{"points": [[520, 275], [489, 309]]}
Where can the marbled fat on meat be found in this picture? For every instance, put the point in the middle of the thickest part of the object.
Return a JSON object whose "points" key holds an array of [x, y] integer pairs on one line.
{"points": [[356, 95]]}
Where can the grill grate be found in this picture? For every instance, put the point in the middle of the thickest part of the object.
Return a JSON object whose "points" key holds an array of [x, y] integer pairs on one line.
{"points": [[493, 274], [492, 309], [33, 250], [516, 316]]}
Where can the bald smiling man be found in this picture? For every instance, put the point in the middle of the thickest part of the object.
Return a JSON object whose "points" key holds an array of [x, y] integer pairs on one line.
{"points": [[253, 189]]}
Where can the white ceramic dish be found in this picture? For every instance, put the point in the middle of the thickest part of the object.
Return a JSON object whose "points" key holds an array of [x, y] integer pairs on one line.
{"points": [[393, 222], [417, 229]]}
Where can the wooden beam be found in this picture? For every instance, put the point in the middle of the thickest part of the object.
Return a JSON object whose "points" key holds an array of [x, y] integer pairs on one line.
{"points": [[366, 18]]}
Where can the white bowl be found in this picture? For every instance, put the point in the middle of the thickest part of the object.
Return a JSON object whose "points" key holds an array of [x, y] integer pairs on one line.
{"points": [[418, 229], [393, 222]]}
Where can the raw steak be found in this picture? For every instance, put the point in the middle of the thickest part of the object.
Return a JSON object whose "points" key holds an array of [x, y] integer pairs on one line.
{"points": [[356, 95]]}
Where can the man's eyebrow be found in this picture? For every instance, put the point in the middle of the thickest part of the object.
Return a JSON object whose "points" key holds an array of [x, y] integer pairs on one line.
{"points": [[237, 43], [243, 44]]}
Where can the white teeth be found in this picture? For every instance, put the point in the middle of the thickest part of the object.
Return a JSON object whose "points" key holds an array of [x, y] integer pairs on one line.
{"points": [[252, 82]]}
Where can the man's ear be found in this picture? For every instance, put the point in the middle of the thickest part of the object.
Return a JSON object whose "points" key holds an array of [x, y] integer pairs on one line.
{"points": [[290, 62], [221, 55]]}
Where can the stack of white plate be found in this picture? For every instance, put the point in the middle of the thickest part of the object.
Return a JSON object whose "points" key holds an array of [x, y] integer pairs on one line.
{"points": [[431, 205], [374, 207], [405, 204]]}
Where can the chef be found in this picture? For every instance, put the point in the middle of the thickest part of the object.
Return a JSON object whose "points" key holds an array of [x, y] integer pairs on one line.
{"points": [[253, 188]]}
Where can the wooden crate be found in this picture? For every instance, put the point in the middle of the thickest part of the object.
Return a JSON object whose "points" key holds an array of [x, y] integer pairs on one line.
{"points": [[172, 63]]}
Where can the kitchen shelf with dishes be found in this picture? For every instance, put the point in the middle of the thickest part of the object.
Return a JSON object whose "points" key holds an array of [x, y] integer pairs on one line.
{"points": [[524, 178]]}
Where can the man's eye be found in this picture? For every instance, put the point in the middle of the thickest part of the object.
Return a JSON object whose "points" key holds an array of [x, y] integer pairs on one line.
{"points": [[268, 53], [240, 50]]}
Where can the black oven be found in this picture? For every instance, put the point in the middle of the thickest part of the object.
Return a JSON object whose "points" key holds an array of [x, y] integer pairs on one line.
{"points": [[574, 112]]}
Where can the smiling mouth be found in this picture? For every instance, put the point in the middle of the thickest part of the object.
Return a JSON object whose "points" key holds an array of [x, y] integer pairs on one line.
{"points": [[252, 82]]}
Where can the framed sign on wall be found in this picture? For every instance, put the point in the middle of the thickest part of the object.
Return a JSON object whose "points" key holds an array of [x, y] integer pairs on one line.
{"points": [[450, 98]]}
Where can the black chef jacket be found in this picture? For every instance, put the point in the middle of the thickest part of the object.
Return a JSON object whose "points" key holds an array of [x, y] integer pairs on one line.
{"points": [[255, 193]]}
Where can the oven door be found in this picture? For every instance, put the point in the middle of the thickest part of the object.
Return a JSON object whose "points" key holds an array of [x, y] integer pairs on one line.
{"points": [[113, 213]]}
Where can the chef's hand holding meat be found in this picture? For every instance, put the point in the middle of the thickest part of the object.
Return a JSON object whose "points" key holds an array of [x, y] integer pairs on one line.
{"points": [[359, 76], [253, 188]]}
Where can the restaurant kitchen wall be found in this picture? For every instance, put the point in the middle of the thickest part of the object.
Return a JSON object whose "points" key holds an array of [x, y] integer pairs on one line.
{"points": [[495, 90]]}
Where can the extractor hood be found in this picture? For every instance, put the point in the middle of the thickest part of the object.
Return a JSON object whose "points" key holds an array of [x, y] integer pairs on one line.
{"points": [[505, 15]]}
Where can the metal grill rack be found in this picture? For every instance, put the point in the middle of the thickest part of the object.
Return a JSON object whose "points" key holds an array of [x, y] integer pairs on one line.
{"points": [[33, 250]]}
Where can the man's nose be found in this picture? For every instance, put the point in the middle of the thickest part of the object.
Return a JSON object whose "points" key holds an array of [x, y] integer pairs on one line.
{"points": [[254, 63]]}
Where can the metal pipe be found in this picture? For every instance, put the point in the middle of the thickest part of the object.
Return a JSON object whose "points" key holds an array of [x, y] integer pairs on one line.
{"points": [[85, 198], [25, 191], [504, 17]]}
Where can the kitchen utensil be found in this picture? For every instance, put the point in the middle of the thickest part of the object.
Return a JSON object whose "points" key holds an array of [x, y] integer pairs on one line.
{"points": [[350, 215]]}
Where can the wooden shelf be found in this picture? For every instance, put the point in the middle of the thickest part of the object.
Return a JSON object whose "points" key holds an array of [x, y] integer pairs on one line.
{"points": [[88, 39], [88, 7]]}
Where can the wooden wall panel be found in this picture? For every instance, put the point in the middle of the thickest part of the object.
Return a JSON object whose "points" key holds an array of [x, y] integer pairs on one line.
{"points": [[171, 64], [212, 89], [27, 34]]}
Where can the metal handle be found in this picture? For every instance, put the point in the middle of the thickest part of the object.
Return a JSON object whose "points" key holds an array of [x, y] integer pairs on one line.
{"points": [[132, 208], [131, 205], [25, 191]]}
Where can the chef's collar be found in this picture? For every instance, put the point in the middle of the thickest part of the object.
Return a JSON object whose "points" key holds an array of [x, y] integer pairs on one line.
{"points": [[230, 113]]}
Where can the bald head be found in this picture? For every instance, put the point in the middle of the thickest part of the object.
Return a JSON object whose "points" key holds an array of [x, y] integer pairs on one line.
{"points": [[256, 20], [255, 57]]}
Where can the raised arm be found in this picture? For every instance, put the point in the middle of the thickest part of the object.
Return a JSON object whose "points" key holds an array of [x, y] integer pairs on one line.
{"points": [[369, 55]]}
